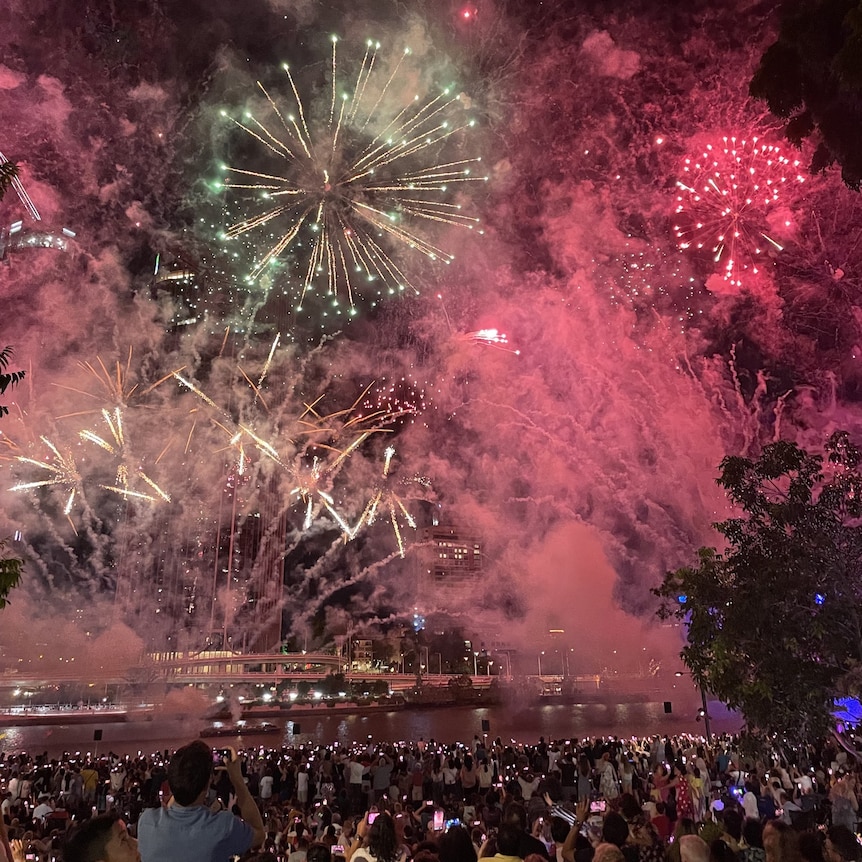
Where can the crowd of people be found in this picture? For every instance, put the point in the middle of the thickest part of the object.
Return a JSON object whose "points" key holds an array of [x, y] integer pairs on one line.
{"points": [[661, 799]]}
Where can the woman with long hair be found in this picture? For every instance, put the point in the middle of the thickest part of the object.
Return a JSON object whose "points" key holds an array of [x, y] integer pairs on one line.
{"points": [[437, 780], [376, 842], [585, 778], [455, 845]]}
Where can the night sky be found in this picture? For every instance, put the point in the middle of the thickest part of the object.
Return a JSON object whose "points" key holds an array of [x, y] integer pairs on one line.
{"points": [[643, 343]]}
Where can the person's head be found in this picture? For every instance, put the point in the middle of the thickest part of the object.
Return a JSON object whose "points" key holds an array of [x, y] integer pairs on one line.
{"points": [[318, 852], [752, 832], [455, 845], [382, 839], [692, 848], [629, 807], [509, 839], [559, 830], [732, 820], [615, 830], [608, 853], [719, 851], [101, 839], [516, 814], [780, 842], [190, 772], [841, 845], [811, 847], [684, 826]]}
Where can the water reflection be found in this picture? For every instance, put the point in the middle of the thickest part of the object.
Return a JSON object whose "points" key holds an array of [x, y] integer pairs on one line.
{"points": [[446, 725]]}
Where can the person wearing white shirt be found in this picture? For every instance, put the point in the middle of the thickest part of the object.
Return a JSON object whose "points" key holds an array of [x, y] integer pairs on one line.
{"points": [[43, 809], [749, 802]]}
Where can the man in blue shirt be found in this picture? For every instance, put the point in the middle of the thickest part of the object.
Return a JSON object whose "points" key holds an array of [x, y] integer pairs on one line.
{"points": [[186, 830]]}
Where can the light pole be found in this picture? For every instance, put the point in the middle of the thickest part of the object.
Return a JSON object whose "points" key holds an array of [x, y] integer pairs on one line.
{"points": [[475, 663], [704, 709], [508, 662], [540, 661]]}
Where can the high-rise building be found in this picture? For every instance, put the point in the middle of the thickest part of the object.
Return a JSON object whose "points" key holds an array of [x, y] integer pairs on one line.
{"points": [[452, 559]]}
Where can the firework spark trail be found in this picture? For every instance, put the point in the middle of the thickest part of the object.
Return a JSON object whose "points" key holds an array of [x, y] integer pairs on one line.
{"points": [[311, 433], [119, 449], [491, 338], [266, 365], [728, 193], [116, 386], [348, 195], [386, 499], [63, 472]]}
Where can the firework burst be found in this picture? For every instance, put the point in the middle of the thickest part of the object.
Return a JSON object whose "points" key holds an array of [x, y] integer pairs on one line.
{"points": [[393, 403], [311, 450], [61, 471], [387, 502], [726, 197], [347, 188], [118, 447], [491, 338], [118, 386]]}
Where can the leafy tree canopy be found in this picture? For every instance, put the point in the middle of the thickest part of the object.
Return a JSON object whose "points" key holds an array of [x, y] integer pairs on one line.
{"points": [[8, 172], [10, 573], [812, 77], [773, 623], [7, 379]]}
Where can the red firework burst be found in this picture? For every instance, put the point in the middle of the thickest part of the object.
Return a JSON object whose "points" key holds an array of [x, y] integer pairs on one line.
{"points": [[728, 198]]}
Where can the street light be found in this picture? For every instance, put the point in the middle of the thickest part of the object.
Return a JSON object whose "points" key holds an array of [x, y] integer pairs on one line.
{"points": [[540, 661], [704, 711]]}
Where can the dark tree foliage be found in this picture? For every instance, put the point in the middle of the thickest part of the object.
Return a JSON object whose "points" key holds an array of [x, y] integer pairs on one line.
{"points": [[10, 572], [8, 379], [773, 624], [8, 172], [812, 78]]}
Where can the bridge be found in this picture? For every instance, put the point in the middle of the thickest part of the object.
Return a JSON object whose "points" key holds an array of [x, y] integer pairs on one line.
{"points": [[218, 667]]}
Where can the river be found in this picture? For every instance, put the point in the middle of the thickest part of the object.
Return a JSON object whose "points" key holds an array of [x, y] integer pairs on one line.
{"points": [[446, 724]]}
